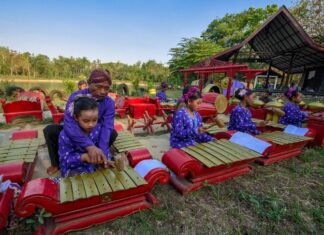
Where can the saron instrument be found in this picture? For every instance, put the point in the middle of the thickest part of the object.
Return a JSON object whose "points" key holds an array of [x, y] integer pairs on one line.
{"points": [[85, 200], [207, 163], [17, 159]]}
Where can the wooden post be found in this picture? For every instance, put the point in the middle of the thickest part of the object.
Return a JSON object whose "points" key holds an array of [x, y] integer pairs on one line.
{"points": [[185, 74], [229, 74], [268, 74], [201, 81], [289, 69]]}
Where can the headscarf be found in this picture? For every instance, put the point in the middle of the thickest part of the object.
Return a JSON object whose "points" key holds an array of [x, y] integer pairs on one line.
{"points": [[99, 75], [164, 85], [291, 92], [187, 95]]}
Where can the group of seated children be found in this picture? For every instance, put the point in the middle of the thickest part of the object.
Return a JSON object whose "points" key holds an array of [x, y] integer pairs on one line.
{"points": [[83, 143], [187, 127]]}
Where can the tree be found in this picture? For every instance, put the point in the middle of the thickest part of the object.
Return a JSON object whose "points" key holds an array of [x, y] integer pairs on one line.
{"points": [[234, 28], [191, 51], [40, 65], [310, 14]]}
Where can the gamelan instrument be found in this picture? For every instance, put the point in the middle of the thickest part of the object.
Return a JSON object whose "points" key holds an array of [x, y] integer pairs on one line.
{"points": [[85, 200], [283, 145], [316, 122], [17, 159], [127, 143], [207, 163]]}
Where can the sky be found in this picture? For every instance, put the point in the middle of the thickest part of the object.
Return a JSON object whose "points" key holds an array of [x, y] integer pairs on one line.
{"points": [[113, 30]]}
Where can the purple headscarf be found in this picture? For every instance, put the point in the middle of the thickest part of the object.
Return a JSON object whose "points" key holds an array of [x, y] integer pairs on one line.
{"points": [[164, 85], [191, 92]]}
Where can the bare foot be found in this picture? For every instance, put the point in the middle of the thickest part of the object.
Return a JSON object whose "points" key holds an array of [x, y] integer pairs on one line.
{"points": [[52, 170]]}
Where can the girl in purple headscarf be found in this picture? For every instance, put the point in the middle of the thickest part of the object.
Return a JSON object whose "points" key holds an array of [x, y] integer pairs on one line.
{"points": [[187, 123], [293, 115], [241, 117]]}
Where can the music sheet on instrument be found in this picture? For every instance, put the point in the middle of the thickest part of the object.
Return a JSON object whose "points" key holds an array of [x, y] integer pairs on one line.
{"points": [[249, 142], [294, 130]]}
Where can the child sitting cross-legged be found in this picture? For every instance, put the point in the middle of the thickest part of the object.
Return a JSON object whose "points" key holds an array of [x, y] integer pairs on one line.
{"points": [[74, 158]]}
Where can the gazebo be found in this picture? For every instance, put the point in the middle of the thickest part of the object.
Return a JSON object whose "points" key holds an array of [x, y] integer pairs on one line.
{"points": [[280, 42]]}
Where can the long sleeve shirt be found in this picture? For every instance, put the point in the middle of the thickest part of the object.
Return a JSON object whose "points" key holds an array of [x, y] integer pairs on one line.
{"points": [[185, 130], [241, 120], [70, 154], [106, 115], [293, 115], [162, 96]]}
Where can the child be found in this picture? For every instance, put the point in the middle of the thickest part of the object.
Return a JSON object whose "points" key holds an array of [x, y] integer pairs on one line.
{"points": [[161, 93], [266, 97], [73, 158], [82, 85], [241, 118], [187, 124], [293, 115]]}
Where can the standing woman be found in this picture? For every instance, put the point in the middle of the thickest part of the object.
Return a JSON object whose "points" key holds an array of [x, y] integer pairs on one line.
{"points": [[241, 117], [187, 123], [293, 114]]}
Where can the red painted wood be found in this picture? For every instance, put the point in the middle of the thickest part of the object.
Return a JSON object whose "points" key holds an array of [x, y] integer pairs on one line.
{"points": [[21, 108], [14, 171], [185, 185], [83, 213], [207, 110], [28, 134], [136, 155], [57, 116], [317, 123], [6, 199], [118, 127], [276, 152]]}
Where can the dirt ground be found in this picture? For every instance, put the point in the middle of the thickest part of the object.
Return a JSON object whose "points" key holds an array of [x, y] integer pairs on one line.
{"points": [[285, 198]]}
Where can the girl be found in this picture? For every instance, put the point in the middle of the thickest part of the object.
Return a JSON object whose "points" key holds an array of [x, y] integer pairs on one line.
{"points": [[293, 115], [161, 93], [73, 158], [187, 124], [241, 118]]}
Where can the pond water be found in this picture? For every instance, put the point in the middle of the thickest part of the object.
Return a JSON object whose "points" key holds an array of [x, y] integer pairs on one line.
{"points": [[48, 86]]}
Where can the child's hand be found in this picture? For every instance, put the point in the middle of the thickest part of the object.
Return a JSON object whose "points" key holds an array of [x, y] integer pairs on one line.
{"points": [[262, 123], [95, 154], [109, 163], [201, 130], [85, 158]]}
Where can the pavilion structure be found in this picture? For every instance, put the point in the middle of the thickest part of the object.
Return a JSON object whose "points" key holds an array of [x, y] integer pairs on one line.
{"points": [[280, 42]]}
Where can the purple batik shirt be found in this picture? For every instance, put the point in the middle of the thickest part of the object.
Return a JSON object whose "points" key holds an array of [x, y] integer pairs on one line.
{"points": [[241, 120], [185, 130], [70, 154], [162, 96], [106, 116], [293, 115]]}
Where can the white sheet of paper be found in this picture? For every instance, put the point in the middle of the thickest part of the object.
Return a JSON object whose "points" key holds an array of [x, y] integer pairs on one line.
{"points": [[146, 166], [250, 142], [294, 130]]}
